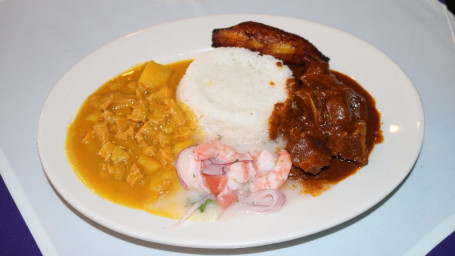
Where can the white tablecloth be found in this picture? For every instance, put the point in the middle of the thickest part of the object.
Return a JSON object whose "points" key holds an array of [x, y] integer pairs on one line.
{"points": [[41, 40]]}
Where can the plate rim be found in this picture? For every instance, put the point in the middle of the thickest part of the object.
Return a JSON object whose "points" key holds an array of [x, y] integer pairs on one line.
{"points": [[113, 226]]}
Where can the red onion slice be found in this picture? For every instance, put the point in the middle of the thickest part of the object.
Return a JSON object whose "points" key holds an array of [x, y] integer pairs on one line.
{"points": [[262, 201], [216, 167], [214, 170], [218, 161], [182, 165]]}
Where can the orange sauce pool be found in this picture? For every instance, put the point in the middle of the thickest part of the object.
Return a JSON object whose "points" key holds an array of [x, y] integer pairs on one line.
{"points": [[126, 136]]}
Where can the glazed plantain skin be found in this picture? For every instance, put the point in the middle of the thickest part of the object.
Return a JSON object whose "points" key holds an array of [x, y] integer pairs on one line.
{"points": [[290, 48]]}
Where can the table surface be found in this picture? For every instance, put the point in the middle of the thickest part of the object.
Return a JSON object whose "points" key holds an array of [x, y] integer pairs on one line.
{"points": [[41, 40]]}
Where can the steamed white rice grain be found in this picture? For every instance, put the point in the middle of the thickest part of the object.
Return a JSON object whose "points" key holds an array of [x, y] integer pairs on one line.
{"points": [[232, 91]]}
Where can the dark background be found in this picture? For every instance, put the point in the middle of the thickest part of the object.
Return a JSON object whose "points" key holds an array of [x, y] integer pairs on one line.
{"points": [[451, 5]]}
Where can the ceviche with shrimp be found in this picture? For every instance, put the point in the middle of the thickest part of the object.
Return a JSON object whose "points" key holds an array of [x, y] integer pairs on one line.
{"points": [[227, 176]]}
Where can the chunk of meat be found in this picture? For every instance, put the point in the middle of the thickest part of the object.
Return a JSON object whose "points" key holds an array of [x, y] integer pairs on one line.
{"points": [[308, 151], [351, 146], [290, 48]]}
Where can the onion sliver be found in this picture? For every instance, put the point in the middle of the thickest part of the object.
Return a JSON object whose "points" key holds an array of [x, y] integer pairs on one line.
{"points": [[214, 170], [214, 167], [262, 201], [182, 164], [211, 168], [217, 161]]}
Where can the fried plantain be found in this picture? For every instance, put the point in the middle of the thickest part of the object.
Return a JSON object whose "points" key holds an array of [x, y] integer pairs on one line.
{"points": [[290, 48]]}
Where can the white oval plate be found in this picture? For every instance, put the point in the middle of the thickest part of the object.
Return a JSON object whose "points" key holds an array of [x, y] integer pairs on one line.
{"points": [[390, 162]]}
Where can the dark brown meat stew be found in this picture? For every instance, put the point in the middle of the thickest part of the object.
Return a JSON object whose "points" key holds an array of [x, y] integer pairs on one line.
{"points": [[330, 122], [331, 125]]}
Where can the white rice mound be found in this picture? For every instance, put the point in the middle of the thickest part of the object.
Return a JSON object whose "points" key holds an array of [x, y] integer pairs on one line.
{"points": [[232, 92]]}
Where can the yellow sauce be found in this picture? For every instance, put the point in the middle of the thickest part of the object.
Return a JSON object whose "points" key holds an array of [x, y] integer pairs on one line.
{"points": [[126, 136]]}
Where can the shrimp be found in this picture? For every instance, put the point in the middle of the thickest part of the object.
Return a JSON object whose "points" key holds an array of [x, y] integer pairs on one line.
{"points": [[264, 161], [276, 177], [219, 151]]}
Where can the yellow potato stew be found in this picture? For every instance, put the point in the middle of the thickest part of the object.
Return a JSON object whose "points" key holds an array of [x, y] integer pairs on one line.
{"points": [[126, 136]]}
